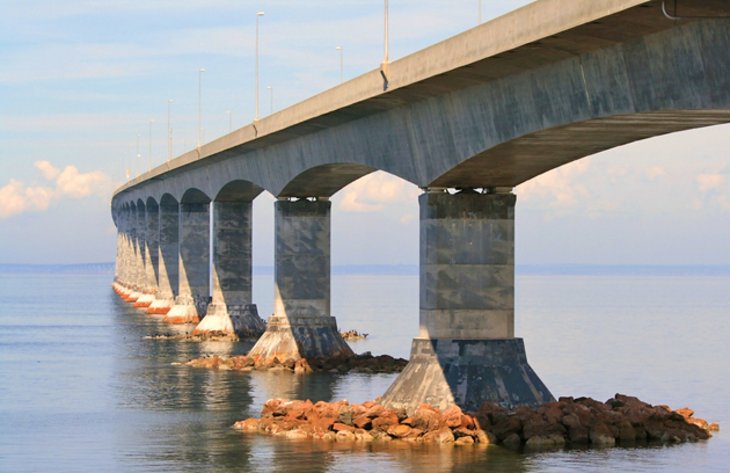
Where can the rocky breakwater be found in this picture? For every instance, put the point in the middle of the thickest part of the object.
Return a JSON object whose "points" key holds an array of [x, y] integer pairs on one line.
{"points": [[363, 363], [367, 422], [622, 420]]}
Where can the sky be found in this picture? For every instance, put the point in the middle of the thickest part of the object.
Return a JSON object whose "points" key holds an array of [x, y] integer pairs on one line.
{"points": [[84, 94]]}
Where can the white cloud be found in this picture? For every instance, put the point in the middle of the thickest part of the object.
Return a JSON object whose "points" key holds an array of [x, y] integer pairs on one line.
{"points": [[654, 172], [707, 182], [557, 188], [375, 191], [17, 198]]}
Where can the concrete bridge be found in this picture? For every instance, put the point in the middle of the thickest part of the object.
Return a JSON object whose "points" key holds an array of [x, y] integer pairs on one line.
{"points": [[466, 120]]}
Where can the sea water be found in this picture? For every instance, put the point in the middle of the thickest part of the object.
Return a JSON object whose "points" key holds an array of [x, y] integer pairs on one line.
{"points": [[83, 390]]}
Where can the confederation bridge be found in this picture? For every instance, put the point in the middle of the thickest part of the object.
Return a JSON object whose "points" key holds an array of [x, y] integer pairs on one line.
{"points": [[466, 120]]}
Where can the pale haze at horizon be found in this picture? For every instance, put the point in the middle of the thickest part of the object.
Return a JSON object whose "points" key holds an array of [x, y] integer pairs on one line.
{"points": [[81, 82]]}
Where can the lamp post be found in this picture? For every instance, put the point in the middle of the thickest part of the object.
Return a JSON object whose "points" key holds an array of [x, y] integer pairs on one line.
{"points": [[258, 14], [271, 99], [339, 48], [149, 144], [230, 121], [169, 131], [138, 159], [480, 13], [385, 52], [200, 106]]}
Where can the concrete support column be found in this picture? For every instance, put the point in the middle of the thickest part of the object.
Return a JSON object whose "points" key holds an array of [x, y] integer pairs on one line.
{"points": [[194, 261], [119, 283], [126, 270], [231, 310], [466, 353], [301, 326], [151, 254], [167, 260], [136, 261]]}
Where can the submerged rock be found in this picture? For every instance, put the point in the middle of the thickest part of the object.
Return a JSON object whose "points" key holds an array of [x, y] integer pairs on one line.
{"points": [[364, 363], [352, 335], [622, 420], [366, 422]]}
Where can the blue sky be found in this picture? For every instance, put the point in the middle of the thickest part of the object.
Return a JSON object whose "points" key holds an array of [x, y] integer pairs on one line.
{"points": [[82, 79]]}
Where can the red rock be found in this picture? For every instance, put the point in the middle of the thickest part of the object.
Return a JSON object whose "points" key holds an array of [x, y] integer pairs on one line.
{"points": [[444, 435], [345, 436], [685, 412], [248, 425], [714, 427], [464, 441], [467, 421], [338, 426], [385, 421], [399, 430], [451, 417], [362, 422]]}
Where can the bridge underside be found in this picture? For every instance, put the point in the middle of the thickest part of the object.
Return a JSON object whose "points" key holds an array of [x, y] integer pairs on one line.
{"points": [[500, 106]]}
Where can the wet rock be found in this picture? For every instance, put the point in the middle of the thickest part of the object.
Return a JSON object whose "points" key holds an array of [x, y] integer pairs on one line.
{"points": [[353, 335], [570, 421]]}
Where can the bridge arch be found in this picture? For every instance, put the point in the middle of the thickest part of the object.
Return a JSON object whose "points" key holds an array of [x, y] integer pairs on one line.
{"points": [[239, 190], [324, 180], [194, 196]]}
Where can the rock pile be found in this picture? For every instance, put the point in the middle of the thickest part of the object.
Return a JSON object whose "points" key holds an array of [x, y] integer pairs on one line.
{"points": [[366, 422], [196, 337], [584, 421], [364, 363], [352, 335], [622, 420]]}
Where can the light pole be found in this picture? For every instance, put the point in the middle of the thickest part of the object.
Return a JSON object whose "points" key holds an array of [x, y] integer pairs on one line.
{"points": [[271, 99], [339, 48], [149, 144], [385, 53], [230, 121], [169, 131], [200, 106], [258, 14], [480, 13], [138, 160]]}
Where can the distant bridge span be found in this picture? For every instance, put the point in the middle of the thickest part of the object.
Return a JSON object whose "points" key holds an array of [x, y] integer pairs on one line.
{"points": [[488, 109]]}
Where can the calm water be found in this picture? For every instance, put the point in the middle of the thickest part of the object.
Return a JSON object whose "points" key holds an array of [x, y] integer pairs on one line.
{"points": [[81, 390]]}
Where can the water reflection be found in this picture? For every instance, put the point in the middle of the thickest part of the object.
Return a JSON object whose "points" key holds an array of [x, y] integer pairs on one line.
{"points": [[205, 403]]}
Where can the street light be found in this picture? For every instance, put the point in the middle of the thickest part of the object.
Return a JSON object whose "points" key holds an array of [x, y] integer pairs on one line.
{"points": [[169, 131], [271, 99], [385, 53], [258, 14], [339, 48], [480, 13], [149, 147], [230, 121], [200, 106]]}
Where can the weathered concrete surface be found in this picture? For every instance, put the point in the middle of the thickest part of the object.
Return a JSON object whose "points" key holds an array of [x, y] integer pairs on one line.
{"points": [[466, 265], [301, 325], [231, 310], [168, 261], [465, 353], [193, 296], [467, 373], [151, 254]]}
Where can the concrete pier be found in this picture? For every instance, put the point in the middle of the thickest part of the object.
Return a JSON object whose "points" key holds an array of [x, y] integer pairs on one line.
{"points": [[301, 326], [167, 277], [231, 310], [150, 246], [465, 352], [194, 258]]}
